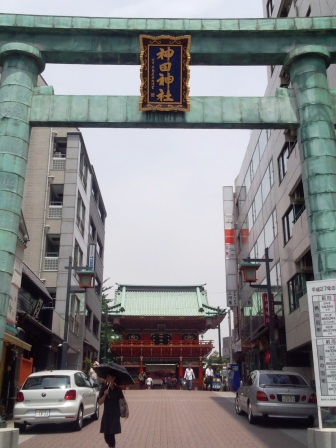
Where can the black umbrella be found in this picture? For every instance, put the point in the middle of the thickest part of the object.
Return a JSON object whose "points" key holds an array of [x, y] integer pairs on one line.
{"points": [[122, 377]]}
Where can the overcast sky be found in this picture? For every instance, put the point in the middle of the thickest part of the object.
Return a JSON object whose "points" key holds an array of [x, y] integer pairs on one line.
{"points": [[162, 188]]}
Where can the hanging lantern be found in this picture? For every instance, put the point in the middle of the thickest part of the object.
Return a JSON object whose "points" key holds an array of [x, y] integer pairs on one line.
{"points": [[249, 272], [86, 278]]}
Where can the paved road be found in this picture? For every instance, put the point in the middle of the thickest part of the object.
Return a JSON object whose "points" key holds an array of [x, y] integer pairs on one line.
{"points": [[175, 419]]}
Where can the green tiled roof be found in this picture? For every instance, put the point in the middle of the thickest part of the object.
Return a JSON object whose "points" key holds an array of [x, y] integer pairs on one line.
{"points": [[161, 300]]}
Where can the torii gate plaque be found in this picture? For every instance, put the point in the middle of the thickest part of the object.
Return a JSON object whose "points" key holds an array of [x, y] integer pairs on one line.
{"points": [[306, 46]]}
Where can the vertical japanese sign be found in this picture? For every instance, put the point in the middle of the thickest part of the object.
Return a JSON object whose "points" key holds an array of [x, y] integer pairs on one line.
{"points": [[230, 248], [266, 309], [322, 317], [165, 73]]}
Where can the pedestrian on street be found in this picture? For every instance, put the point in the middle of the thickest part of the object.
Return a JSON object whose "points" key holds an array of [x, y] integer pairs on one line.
{"points": [[142, 380], [189, 376], [230, 379], [209, 374], [92, 374], [109, 395], [149, 382]]}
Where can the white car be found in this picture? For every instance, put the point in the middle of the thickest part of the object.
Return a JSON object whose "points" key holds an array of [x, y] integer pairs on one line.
{"points": [[56, 396]]}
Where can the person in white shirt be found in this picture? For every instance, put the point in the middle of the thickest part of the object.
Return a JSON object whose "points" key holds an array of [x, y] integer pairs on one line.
{"points": [[209, 374], [189, 376], [149, 382]]}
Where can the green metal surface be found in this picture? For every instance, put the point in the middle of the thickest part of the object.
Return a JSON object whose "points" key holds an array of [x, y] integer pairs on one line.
{"points": [[20, 67], [83, 40], [307, 66], [153, 301], [205, 112], [307, 45]]}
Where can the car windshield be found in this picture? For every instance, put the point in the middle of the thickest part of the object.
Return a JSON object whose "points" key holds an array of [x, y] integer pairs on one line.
{"points": [[279, 379], [47, 382]]}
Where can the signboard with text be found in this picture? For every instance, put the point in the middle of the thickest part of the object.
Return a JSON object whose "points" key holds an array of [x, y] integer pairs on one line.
{"points": [[322, 316], [165, 73], [266, 309]]}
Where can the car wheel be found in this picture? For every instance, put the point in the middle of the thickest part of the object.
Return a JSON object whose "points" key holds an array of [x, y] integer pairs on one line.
{"points": [[79, 422], [250, 416], [237, 406], [21, 427], [310, 421], [95, 416]]}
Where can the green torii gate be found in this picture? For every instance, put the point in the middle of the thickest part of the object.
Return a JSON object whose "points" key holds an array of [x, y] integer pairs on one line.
{"points": [[306, 46]]}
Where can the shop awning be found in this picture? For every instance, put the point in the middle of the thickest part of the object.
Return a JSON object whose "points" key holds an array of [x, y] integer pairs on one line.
{"points": [[16, 341]]}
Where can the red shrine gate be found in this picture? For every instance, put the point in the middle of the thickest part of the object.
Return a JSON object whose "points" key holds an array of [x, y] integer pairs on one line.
{"points": [[162, 329]]}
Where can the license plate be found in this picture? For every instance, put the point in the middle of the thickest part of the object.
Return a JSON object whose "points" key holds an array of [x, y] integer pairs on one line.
{"points": [[42, 413], [288, 399]]}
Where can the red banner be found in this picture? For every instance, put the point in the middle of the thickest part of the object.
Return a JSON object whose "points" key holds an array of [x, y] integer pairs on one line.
{"points": [[266, 309]]}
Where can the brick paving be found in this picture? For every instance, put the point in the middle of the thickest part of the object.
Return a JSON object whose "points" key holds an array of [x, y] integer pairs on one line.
{"points": [[172, 419]]}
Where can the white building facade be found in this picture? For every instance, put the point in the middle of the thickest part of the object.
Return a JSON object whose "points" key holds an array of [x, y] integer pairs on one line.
{"points": [[65, 215], [269, 211]]}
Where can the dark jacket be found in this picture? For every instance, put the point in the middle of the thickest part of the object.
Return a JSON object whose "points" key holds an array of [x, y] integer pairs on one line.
{"points": [[110, 422]]}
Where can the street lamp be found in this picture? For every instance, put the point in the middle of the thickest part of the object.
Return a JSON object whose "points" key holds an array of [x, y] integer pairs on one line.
{"points": [[219, 312], [86, 277], [249, 269]]}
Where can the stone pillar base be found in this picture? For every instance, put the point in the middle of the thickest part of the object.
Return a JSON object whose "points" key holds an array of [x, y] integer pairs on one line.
{"points": [[9, 437], [318, 438]]}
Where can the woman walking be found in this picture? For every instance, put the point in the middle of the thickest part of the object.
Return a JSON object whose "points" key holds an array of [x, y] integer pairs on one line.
{"points": [[110, 394]]}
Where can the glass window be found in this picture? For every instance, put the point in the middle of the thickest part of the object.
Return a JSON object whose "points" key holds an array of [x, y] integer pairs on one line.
{"points": [[47, 382], [79, 380], [251, 217], [258, 201], [247, 180], [255, 161], [297, 288], [265, 185], [261, 244], [262, 142], [288, 223], [269, 232]]}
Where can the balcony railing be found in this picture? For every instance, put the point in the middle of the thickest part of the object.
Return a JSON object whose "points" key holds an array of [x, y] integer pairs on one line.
{"points": [[51, 263], [58, 163], [178, 344], [55, 211]]}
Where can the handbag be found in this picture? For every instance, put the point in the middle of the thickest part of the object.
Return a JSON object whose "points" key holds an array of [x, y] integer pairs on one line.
{"points": [[123, 406]]}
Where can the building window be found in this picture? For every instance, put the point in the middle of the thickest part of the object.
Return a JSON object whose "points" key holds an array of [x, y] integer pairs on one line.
{"points": [[92, 230], [95, 326], [269, 8], [297, 288], [80, 220], [298, 201], [286, 6], [97, 286], [88, 314], [99, 248], [74, 314], [78, 255], [288, 223], [83, 169], [283, 158], [59, 154]]}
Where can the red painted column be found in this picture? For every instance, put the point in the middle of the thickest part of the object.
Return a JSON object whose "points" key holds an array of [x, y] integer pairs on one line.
{"points": [[181, 373], [200, 374]]}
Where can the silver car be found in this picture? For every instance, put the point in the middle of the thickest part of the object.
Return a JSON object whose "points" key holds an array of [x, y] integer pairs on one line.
{"points": [[56, 396], [273, 393]]}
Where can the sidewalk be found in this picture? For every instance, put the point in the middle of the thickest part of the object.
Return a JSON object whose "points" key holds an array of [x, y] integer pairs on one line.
{"points": [[169, 419]]}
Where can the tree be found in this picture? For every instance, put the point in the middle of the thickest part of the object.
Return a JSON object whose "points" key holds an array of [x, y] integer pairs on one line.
{"points": [[107, 332]]}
